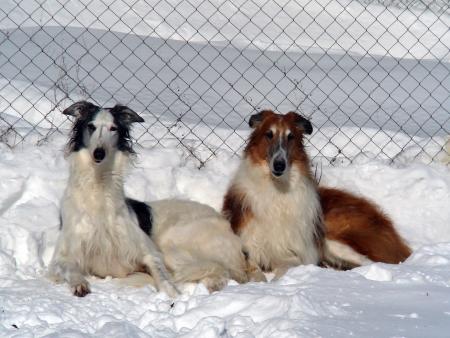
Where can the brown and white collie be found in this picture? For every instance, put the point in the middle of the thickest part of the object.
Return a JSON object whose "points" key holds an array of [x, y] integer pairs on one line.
{"points": [[276, 207]]}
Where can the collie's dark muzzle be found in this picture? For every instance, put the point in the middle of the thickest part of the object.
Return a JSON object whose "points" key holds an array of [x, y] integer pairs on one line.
{"points": [[99, 154]]}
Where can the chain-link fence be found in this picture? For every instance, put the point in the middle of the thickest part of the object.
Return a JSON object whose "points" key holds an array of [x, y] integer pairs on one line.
{"points": [[373, 75]]}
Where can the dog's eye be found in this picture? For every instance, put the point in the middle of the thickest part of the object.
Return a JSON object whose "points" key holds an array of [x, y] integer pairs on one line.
{"points": [[269, 134], [290, 137], [113, 128], [91, 127]]}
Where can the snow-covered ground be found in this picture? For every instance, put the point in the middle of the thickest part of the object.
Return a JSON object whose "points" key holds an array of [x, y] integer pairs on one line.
{"points": [[400, 166], [379, 300]]}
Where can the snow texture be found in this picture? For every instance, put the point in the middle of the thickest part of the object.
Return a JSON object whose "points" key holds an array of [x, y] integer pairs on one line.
{"points": [[411, 299]]}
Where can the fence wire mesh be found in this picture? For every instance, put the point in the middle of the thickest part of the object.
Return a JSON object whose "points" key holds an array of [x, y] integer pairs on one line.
{"points": [[373, 75]]}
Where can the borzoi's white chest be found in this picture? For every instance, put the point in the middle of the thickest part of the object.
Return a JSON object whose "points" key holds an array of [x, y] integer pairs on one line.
{"points": [[98, 225], [282, 229]]}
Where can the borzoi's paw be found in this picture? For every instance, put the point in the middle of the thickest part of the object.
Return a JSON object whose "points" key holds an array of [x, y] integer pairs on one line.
{"points": [[214, 283], [80, 289], [170, 289]]}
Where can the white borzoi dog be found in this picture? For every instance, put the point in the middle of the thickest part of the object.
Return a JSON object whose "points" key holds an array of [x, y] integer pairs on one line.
{"points": [[104, 233]]}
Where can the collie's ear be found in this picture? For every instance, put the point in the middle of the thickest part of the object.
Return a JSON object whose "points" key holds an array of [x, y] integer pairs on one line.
{"points": [[303, 124], [125, 114], [80, 109], [256, 119]]}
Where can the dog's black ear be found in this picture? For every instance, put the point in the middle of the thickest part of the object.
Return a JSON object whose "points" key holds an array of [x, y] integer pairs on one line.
{"points": [[305, 125], [80, 109], [125, 114], [302, 123], [256, 119]]}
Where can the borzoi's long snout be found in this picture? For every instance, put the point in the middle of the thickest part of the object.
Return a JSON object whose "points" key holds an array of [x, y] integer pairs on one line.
{"points": [[101, 143], [279, 160], [99, 148]]}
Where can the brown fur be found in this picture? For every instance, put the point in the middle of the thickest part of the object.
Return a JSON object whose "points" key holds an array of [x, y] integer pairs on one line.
{"points": [[258, 145], [236, 210], [348, 219], [234, 207], [360, 224], [273, 132]]}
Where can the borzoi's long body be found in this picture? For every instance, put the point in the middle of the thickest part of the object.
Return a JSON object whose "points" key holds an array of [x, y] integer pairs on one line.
{"points": [[197, 243], [104, 233]]}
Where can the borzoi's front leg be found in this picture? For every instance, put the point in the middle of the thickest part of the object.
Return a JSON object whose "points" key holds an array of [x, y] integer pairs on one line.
{"points": [[62, 270], [153, 262]]}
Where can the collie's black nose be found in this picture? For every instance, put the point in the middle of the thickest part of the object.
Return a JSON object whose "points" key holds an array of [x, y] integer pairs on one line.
{"points": [[99, 154], [279, 166]]}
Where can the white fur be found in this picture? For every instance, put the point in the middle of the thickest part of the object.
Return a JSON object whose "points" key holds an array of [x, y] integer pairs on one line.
{"points": [[100, 236], [285, 211], [343, 252], [197, 243], [102, 136]]}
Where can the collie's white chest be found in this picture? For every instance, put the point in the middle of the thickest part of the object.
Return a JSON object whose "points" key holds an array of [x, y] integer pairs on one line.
{"points": [[282, 230]]}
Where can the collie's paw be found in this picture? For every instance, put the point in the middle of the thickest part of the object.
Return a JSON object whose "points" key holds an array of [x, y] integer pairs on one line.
{"points": [[81, 289], [170, 289], [214, 283], [256, 276]]}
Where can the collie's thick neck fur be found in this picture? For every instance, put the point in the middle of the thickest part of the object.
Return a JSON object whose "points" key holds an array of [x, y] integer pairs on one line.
{"points": [[273, 202], [285, 215]]}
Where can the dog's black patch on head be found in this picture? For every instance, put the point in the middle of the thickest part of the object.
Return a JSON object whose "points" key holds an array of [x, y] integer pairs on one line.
{"points": [[125, 114], [123, 118], [143, 213], [85, 112]]}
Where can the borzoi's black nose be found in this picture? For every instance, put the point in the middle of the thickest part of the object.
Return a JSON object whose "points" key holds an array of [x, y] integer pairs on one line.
{"points": [[99, 154], [279, 166]]}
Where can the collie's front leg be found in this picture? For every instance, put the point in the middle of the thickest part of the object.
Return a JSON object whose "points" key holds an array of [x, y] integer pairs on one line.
{"points": [[255, 274], [253, 269], [62, 270], [155, 266], [282, 266]]}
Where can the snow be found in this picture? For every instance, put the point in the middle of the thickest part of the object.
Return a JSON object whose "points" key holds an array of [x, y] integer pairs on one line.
{"points": [[411, 299], [401, 167]]}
